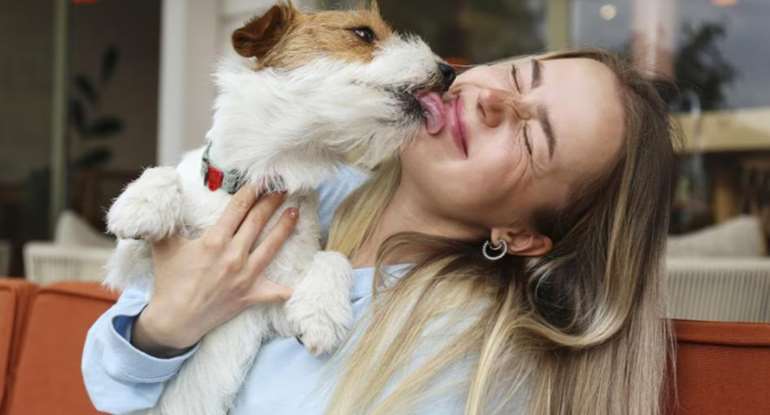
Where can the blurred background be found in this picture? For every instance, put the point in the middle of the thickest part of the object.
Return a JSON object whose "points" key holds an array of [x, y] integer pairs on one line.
{"points": [[92, 91]]}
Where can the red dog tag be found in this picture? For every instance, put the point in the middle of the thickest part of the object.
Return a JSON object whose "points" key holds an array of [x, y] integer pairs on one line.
{"points": [[214, 178]]}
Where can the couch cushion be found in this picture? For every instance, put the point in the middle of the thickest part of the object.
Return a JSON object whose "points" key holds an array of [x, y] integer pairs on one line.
{"points": [[741, 236], [15, 295], [722, 368], [49, 380]]}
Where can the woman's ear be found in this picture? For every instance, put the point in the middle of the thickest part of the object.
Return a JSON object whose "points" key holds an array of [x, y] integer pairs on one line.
{"points": [[522, 241]]}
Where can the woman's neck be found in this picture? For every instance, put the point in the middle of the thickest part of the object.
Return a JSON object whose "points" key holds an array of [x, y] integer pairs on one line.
{"points": [[408, 212]]}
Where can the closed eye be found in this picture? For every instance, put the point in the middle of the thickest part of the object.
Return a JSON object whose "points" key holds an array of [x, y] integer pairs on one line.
{"points": [[515, 77], [526, 139]]}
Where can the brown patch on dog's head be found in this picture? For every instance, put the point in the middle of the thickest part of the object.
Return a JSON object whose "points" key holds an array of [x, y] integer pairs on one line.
{"points": [[286, 38]]}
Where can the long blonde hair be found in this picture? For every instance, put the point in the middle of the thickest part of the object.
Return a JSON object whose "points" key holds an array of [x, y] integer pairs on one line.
{"points": [[580, 330]]}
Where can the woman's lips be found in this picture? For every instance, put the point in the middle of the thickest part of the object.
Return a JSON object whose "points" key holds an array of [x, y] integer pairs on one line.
{"points": [[433, 109]]}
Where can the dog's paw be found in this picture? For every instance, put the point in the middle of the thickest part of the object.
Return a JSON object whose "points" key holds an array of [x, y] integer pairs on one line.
{"points": [[320, 308], [323, 334], [150, 208]]}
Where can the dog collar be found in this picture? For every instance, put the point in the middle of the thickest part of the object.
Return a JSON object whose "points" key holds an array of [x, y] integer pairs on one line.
{"points": [[215, 178]]}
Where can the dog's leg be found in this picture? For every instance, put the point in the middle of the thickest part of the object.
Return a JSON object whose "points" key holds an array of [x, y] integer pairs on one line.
{"points": [[320, 307], [209, 381], [150, 208], [130, 263]]}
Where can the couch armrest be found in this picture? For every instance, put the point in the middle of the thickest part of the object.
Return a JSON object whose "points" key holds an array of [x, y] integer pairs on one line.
{"points": [[48, 378], [722, 368], [15, 297]]}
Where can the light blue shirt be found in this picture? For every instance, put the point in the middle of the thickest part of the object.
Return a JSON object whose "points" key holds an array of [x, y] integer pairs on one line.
{"points": [[285, 378]]}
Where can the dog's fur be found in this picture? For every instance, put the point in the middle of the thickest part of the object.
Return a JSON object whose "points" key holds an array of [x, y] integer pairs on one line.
{"points": [[306, 90]]}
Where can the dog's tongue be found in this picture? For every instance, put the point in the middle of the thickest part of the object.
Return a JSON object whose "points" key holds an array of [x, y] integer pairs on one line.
{"points": [[433, 110]]}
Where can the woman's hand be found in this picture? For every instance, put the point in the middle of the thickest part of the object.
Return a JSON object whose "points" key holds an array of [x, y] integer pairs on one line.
{"points": [[202, 283]]}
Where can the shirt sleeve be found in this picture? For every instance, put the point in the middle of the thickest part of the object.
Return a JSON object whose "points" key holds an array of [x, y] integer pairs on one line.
{"points": [[120, 378]]}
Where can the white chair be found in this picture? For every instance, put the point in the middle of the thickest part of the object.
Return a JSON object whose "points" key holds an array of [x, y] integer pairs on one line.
{"points": [[5, 258], [741, 236], [77, 253], [719, 289], [720, 273], [71, 229], [46, 262]]}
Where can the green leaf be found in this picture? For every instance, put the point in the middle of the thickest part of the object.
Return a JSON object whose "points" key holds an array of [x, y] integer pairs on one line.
{"points": [[105, 127], [93, 158], [86, 87], [110, 60]]}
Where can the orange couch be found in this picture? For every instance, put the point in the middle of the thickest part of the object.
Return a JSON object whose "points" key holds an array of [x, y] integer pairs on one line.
{"points": [[722, 368], [41, 358], [15, 296]]}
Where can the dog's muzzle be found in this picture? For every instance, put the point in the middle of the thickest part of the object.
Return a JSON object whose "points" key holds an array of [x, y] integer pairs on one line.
{"points": [[444, 78], [406, 95]]}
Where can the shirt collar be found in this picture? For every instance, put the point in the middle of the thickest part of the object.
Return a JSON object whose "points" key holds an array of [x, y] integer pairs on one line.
{"points": [[364, 277]]}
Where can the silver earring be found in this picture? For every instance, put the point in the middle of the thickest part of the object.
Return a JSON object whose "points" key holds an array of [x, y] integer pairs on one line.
{"points": [[494, 256]]}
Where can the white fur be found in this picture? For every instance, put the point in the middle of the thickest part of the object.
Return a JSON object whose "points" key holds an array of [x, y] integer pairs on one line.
{"points": [[149, 216], [294, 124]]}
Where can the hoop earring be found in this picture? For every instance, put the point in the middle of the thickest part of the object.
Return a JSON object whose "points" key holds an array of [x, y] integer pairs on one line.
{"points": [[494, 256]]}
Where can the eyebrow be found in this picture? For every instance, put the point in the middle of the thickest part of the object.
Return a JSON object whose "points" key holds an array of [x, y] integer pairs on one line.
{"points": [[542, 111]]}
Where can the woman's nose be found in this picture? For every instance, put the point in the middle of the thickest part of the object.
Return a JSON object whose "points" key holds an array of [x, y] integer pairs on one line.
{"points": [[495, 105], [492, 107]]}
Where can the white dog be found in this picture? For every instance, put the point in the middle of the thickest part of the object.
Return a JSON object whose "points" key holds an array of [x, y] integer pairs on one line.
{"points": [[307, 89]]}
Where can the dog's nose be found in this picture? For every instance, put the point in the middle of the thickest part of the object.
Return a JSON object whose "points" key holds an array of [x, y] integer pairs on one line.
{"points": [[447, 75]]}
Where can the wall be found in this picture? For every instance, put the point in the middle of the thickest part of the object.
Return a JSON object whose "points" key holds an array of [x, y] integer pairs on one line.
{"points": [[132, 94], [26, 39]]}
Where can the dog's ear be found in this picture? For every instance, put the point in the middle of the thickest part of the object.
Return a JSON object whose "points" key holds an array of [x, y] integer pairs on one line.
{"points": [[370, 5], [260, 34]]}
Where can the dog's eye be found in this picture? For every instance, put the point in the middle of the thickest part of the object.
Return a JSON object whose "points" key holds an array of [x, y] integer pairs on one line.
{"points": [[364, 33]]}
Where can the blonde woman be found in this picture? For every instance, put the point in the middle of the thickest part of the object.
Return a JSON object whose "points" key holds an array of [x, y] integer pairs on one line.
{"points": [[508, 262]]}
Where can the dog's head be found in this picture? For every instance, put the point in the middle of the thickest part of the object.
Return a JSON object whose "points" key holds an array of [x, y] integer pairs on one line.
{"points": [[339, 80]]}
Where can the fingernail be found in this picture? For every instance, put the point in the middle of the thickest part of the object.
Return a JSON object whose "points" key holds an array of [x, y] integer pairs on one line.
{"points": [[293, 212]]}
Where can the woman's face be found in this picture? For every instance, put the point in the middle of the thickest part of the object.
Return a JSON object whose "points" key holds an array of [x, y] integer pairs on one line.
{"points": [[512, 137]]}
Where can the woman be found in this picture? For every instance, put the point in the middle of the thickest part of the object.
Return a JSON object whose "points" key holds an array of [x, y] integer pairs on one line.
{"points": [[531, 214]]}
